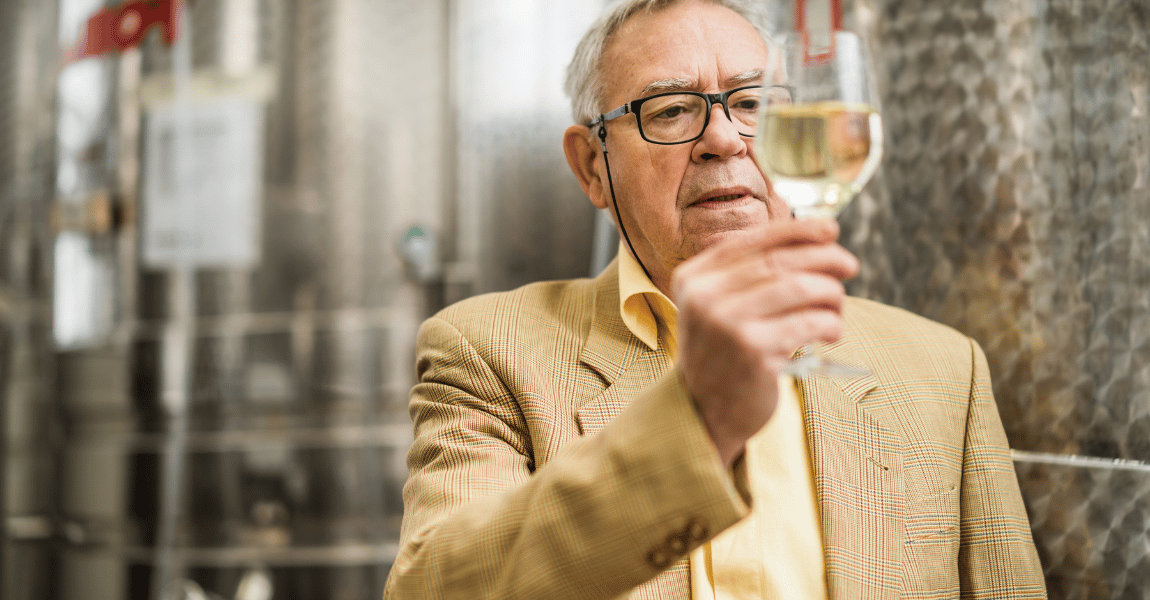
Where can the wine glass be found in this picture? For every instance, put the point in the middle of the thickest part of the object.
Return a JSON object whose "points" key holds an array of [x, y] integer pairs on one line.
{"points": [[819, 137]]}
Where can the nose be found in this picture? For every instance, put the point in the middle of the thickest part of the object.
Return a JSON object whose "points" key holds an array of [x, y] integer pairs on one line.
{"points": [[720, 139]]}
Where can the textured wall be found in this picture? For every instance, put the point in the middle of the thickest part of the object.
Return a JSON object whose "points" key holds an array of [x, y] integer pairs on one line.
{"points": [[1013, 205]]}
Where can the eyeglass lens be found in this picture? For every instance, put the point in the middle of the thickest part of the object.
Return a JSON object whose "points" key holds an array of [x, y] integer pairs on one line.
{"points": [[681, 117]]}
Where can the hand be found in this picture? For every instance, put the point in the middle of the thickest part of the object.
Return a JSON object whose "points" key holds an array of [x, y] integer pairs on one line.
{"points": [[745, 306]]}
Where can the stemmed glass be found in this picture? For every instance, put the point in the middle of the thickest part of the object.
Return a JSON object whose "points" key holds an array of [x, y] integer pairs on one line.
{"points": [[819, 137]]}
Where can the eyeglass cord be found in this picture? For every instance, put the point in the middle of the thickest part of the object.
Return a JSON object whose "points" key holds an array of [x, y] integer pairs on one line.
{"points": [[615, 203]]}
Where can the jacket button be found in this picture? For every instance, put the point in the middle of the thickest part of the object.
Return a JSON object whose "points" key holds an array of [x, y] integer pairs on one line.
{"points": [[677, 543], [658, 558], [696, 530]]}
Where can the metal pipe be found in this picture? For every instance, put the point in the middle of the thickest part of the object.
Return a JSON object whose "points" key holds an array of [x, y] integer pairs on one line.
{"points": [[178, 354], [179, 339]]}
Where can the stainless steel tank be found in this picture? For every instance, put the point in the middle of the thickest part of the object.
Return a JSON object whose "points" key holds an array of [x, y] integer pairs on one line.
{"points": [[522, 216], [233, 378], [1013, 205], [28, 425]]}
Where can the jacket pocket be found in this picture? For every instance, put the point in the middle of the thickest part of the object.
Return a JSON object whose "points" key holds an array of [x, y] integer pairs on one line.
{"points": [[930, 545], [932, 516]]}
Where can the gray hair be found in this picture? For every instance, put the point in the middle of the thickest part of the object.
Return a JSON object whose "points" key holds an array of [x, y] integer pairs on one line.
{"points": [[584, 84]]}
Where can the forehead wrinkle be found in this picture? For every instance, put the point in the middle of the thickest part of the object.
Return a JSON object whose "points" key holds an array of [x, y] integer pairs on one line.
{"points": [[675, 84]]}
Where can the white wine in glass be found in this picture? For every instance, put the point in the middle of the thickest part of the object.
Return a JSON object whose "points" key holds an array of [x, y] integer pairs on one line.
{"points": [[819, 136], [819, 155]]}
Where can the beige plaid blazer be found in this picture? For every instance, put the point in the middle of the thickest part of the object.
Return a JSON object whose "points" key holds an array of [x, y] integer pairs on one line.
{"points": [[557, 457]]}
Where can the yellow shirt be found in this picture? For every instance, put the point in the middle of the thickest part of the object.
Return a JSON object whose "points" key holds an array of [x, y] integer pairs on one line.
{"points": [[776, 552]]}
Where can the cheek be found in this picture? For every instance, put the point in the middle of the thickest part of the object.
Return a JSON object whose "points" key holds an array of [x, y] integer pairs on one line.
{"points": [[663, 171], [656, 194], [647, 181]]}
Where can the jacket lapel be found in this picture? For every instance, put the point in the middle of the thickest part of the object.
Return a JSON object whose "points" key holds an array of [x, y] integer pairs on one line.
{"points": [[856, 456], [857, 462], [626, 367], [641, 373], [624, 363]]}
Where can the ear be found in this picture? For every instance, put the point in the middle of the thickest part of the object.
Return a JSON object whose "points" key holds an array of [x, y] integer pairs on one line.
{"points": [[585, 159]]}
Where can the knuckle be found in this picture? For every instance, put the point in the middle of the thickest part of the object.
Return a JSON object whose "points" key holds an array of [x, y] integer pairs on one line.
{"points": [[772, 263], [835, 291], [802, 286], [747, 341], [784, 344], [680, 282], [698, 299], [686, 292], [826, 324], [824, 289]]}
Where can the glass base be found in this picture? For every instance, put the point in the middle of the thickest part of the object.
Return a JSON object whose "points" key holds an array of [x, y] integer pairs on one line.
{"points": [[813, 363]]}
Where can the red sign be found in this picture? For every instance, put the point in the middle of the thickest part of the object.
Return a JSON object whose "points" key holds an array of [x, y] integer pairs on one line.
{"points": [[816, 21], [836, 14], [118, 29]]}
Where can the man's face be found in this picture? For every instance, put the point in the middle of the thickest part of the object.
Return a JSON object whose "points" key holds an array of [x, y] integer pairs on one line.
{"points": [[677, 200]]}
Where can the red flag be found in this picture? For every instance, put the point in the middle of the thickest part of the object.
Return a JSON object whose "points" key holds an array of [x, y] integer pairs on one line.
{"points": [[118, 29]]}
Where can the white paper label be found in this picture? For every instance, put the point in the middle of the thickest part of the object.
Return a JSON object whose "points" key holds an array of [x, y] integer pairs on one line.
{"points": [[201, 194]]}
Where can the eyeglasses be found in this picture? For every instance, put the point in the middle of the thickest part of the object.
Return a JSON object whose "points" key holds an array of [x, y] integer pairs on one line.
{"points": [[681, 117]]}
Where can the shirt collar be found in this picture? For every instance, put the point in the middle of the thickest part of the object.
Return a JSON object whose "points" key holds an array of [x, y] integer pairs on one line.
{"points": [[646, 311]]}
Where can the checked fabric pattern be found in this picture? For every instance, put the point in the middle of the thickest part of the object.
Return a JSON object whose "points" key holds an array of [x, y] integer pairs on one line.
{"points": [[555, 455]]}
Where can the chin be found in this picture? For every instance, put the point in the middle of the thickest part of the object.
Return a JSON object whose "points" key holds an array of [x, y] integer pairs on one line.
{"points": [[705, 228], [706, 241]]}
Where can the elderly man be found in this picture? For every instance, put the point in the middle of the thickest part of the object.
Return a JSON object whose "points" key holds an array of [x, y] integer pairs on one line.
{"points": [[632, 435]]}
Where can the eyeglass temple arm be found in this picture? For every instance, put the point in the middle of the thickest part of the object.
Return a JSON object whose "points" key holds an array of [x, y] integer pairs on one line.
{"points": [[602, 122]]}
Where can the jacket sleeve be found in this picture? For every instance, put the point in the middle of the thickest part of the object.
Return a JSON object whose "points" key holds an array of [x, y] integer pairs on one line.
{"points": [[997, 558], [609, 512]]}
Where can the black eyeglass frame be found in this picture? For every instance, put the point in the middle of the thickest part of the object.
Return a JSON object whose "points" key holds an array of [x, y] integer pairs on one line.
{"points": [[633, 106]]}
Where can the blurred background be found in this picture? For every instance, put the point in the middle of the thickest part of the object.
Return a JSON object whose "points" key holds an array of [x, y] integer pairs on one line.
{"points": [[214, 256]]}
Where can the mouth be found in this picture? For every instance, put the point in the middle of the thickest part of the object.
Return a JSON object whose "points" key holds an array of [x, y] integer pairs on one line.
{"points": [[723, 198]]}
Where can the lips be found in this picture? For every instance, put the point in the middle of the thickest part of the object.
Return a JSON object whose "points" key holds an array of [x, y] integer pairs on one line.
{"points": [[715, 197]]}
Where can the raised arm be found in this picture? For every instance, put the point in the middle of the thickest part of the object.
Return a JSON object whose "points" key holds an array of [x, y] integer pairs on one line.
{"points": [[606, 514]]}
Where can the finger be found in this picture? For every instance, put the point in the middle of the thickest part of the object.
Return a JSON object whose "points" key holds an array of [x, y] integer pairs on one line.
{"points": [[778, 339], [774, 235], [831, 260], [797, 291], [742, 254], [701, 288]]}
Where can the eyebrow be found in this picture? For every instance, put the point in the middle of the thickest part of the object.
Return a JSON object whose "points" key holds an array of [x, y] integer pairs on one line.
{"points": [[676, 84], [752, 76], [668, 85]]}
